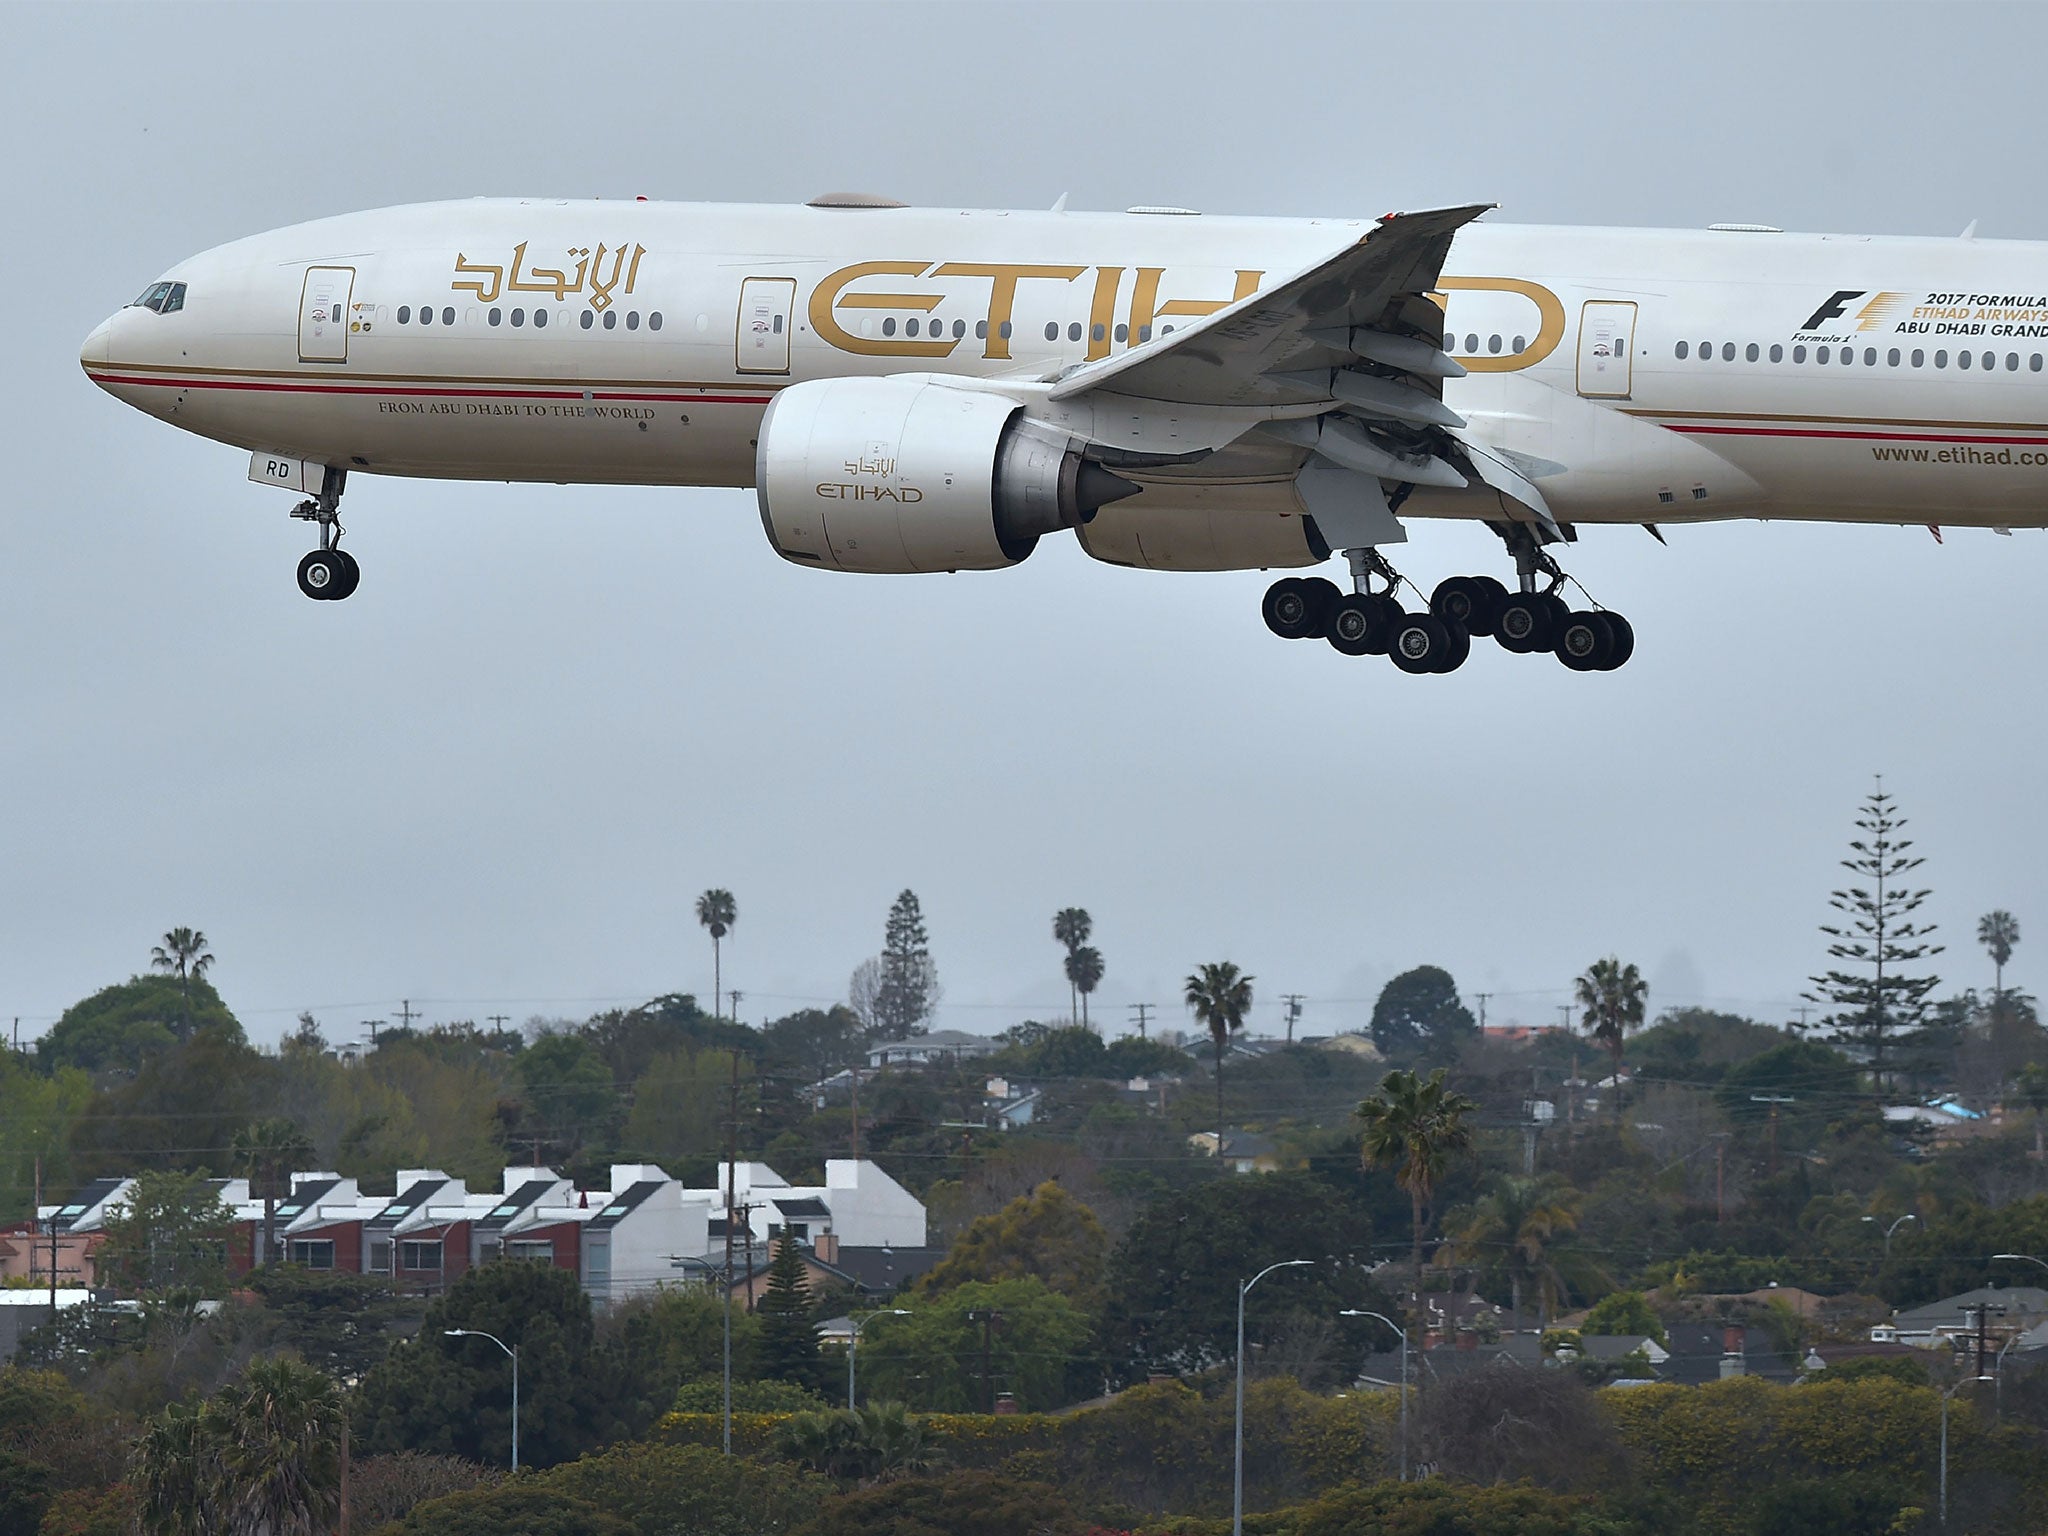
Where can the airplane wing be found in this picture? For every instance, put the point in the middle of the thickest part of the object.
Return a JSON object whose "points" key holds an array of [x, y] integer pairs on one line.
{"points": [[1348, 356]]}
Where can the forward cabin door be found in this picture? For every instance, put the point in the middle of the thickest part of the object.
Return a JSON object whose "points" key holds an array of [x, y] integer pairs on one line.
{"points": [[323, 314], [766, 308], [1607, 332]]}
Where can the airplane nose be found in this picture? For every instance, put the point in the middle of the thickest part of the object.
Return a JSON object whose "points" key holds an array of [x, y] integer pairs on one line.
{"points": [[97, 346]]}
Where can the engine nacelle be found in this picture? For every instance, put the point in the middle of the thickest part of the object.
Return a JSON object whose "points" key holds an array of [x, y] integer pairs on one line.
{"points": [[911, 473]]}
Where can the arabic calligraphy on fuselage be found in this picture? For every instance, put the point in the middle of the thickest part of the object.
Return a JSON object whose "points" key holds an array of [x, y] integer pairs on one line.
{"points": [[490, 282]]}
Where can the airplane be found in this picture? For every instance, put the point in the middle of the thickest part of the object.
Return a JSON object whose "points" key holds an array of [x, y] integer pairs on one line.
{"points": [[914, 390]]}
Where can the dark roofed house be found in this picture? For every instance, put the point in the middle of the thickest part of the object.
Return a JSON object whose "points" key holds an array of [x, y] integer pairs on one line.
{"points": [[415, 1187]]}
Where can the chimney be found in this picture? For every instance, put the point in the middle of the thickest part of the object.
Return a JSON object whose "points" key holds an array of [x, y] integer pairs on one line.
{"points": [[1005, 1403], [1468, 1338], [825, 1246], [1732, 1363]]}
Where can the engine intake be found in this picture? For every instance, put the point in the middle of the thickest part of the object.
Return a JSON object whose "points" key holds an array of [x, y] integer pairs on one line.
{"points": [[912, 473]]}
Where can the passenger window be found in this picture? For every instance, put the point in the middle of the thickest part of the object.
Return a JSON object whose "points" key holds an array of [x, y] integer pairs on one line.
{"points": [[405, 314], [495, 316], [1990, 361], [2012, 362], [1005, 330], [519, 317], [448, 315], [633, 320], [981, 330], [1821, 354], [588, 320], [1727, 351], [1521, 345], [1052, 330], [1752, 352], [1777, 353], [1706, 351], [1870, 357], [1940, 359], [1919, 358], [1074, 330], [611, 320], [2034, 362], [1145, 334], [1472, 342], [1683, 351], [959, 329], [540, 319], [1097, 333], [654, 320], [888, 325], [1962, 360], [1799, 354], [1891, 358], [1123, 333], [912, 327], [1493, 343]]}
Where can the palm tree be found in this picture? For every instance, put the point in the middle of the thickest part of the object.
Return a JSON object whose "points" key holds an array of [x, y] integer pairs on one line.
{"points": [[183, 953], [1612, 995], [1220, 998], [1084, 972], [717, 911], [1998, 932], [268, 1153], [1524, 1225], [1071, 927], [281, 1427], [1415, 1124], [177, 1468]]}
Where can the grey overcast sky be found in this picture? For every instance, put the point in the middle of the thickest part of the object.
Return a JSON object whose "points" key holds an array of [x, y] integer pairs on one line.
{"points": [[495, 779]]}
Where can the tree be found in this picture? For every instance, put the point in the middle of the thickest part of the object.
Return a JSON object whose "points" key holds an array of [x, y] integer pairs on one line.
{"points": [[1047, 1234], [1416, 1125], [452, 1396], [169, 1232], [962, 1503], [1623, 1312], [717, 911], [905, 983], [1084, 974], [786, 1348], [1171, 1283], [2030, 1087], [570, 1096], [1220, 998], [40, 1112], [1419, 1013], [529, 1507], [666, 1490], [1522, 1228], [1876, 1004], [338, 1322], [1071, 927], [1612, 995], [1998, 932], [817, 1042], [933, 1359], [262, 1457], [268, 1153], [119, 1027], [681, 1103], [183, 954]]}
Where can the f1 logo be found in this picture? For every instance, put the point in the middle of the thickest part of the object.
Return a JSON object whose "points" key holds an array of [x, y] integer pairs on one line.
{"points": [[1834, 309]]}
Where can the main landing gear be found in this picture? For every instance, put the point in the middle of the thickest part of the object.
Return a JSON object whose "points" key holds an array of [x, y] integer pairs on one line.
{"points": [[1371, 622], [330, 572]]}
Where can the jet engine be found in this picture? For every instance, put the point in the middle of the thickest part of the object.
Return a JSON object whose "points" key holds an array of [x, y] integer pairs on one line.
{"points": [[912, 473]]}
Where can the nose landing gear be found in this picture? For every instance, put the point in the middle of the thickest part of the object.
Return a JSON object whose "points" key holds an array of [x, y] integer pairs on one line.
{"points": [[329, 573]]}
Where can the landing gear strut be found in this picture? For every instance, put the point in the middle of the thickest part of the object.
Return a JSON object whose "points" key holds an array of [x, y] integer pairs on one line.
{"points": [[1594, 640], [328, 573], [1368, 622]]}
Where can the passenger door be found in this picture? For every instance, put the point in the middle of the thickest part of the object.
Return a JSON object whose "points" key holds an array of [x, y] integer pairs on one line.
{"points": [[1607, 329], [766, 305], [323, 314]]}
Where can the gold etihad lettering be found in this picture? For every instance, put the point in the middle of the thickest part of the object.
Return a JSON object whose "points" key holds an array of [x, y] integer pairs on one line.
{"points": [[831, 296], [490, 281], [1550, 321]]}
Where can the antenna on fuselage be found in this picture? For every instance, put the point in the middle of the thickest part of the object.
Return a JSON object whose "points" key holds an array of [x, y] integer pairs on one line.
{"points": [[1061, 205]]}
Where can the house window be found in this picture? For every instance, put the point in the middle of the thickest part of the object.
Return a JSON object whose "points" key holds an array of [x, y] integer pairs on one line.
{"points": [[420, 1256], [380, 1255], [597, 1261], [532, 1252], [313, 1252]]}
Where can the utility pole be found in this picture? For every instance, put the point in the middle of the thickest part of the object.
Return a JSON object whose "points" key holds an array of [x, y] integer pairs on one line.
{"points": [[1774, 1100], [1293, 1000], [856, 1111], [406, 1014], [1144, 1012], [988, 1317], [1482, 996], [732, 1158], [1982, 1313], [732, 1001], [1803, 1010], [1720, 1186], [498, 1021]]}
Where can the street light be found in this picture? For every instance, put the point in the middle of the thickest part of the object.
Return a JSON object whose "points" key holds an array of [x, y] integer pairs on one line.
{"points": [[1888, 1231], [2022, 1258], [1237, 1454], [1945, 1396], [1355, 1312], [853, 1344], [478, 1333], [725, 1277]]}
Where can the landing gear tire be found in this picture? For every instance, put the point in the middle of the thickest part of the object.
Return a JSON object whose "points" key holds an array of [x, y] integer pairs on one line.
{"points": [[1469, 603], [1586, 643], [1461, 649], [1296, 608], [1421, 643], [1526, 623], [1624, 641], [1363, 624], [327, 575]]}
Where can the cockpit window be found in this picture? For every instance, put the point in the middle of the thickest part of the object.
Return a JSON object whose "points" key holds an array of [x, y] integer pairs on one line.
{"points": [[163, 298]]}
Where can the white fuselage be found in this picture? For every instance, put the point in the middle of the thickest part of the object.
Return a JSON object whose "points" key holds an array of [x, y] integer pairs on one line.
{"points": [[1660, 375]]}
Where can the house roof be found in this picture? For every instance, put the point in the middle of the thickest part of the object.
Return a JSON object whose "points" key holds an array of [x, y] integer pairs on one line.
{"points": [[406, 1201], [806, 1207], [2010, 1305], [882, 1270], [625, 1202], [1697, 1350], [304, 1196], [85, 1200], [516, 1203]]}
